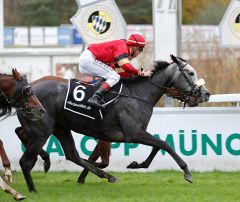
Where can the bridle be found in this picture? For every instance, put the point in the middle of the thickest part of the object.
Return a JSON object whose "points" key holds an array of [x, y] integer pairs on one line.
{"points": [[182, 95], [22, 91]]}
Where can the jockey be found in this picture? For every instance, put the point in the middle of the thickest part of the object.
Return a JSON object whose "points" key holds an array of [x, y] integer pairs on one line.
{"points": [[104, 59]]}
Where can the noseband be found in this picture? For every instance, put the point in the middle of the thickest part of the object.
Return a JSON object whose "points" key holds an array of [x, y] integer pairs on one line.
{"points": [[17, 100]]}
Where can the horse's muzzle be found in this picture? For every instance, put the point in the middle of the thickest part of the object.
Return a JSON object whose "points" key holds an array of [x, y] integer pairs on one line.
{"points": [[203, 96]]}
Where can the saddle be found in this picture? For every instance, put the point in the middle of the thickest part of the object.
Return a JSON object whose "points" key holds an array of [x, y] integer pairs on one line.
{"points": [[80, 91]]}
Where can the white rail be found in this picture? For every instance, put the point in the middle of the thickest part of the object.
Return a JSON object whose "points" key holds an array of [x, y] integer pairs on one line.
{"points": [[225, 98]]}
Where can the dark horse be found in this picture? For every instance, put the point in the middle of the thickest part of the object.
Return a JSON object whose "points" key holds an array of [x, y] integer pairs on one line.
{"points": [[126, 121], [15, 93]]}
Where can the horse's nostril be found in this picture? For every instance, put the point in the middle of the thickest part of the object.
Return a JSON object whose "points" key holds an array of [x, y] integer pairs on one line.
{"points": [[42, 111], [207, 96]]}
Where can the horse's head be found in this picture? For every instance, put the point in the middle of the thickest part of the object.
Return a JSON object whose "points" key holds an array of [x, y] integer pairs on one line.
{"points": [[15, 92], [184, 84]]}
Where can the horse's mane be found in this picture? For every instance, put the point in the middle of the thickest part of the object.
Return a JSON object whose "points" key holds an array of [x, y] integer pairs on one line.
{"points": [[3, 74], [160, 64]]}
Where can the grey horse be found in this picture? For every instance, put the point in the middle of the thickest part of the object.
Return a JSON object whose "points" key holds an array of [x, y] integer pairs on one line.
{"points": [[125, 121]]}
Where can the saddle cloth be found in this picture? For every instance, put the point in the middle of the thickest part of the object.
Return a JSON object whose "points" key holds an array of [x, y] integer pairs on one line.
{"points": [[79, 92]]}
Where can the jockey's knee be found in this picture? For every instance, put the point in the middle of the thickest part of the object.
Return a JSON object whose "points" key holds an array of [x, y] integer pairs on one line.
{"points": [[113, 80], [117, 77]]}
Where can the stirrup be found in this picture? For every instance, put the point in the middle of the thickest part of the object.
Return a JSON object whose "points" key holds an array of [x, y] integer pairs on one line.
{"points": [[95, 103]]}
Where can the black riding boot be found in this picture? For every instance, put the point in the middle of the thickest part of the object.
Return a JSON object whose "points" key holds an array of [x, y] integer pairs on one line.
{"points": [[95, 100]]}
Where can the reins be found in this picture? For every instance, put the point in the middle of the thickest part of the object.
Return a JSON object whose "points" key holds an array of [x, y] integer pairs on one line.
{"points": [[182, 94], [2, 95], [167, 89]]}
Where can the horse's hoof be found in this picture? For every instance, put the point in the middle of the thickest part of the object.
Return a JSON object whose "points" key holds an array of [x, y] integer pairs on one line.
{"points": [[19, 197], [132, 165], [188, 177], [46, 166], [112, 180], [81, 181]]}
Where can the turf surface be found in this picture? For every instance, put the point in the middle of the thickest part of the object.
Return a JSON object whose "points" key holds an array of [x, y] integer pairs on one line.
{"points": [[160, 186]]}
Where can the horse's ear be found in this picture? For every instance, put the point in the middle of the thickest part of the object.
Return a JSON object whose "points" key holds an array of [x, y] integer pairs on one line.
{"points": [[177, 60], [174, 59], [16, 75]]}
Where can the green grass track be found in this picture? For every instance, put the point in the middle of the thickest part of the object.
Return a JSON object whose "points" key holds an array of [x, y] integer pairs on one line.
{"points": [[160, 186]]}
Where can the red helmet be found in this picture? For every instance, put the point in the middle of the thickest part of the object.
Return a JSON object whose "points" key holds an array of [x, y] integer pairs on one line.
{"points": [[136, 40]]}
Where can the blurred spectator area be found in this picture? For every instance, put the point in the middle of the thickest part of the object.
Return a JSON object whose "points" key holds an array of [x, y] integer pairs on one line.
{"points": [[63, 36], [219, 66], [197, 38]]}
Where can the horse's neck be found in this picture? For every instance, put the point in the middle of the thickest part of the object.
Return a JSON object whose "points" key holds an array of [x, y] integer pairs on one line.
{"points": [[145, 90], [6, 83], [162, 80], [150, 89]]}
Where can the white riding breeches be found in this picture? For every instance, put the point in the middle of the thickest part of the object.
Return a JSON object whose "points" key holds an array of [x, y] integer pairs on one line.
{"points": [[90, 66]]}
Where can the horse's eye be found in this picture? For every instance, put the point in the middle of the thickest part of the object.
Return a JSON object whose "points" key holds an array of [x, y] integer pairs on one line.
{"points": [[27, 90], [191, 73]]}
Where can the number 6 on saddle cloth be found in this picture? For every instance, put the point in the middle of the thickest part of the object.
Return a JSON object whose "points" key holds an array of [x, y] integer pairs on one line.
{"points": [[79, 92]]}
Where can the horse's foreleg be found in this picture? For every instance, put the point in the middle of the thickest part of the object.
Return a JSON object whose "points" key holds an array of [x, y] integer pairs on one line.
{"points": [[29, 159], [147, 162], [135, 134], [5, 187], [3, 155], [29, 180], [93, 157], [148, 139], [102, 149], [45, 157], [6, 163], [71, 153], [24, 139]]}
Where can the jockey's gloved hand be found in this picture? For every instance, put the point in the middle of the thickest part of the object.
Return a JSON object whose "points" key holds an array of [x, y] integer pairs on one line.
{"points": [[7, 175], [147, 73]]}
